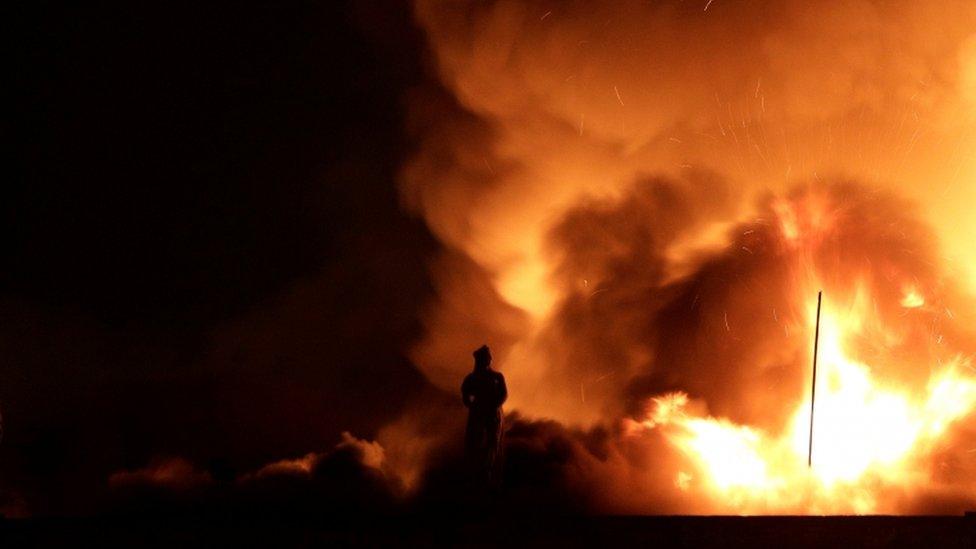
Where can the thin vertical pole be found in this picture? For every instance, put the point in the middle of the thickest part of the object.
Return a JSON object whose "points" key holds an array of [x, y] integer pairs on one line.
{"points": [[813, 386]]}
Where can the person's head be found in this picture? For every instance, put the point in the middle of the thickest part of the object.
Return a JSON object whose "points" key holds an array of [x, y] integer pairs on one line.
{"points": [[482, 357]]}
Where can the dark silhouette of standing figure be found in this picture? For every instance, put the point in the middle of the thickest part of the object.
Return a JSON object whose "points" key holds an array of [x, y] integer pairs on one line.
{"points": [[483, 392]]}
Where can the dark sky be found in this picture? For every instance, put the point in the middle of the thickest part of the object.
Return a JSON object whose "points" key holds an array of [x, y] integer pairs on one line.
{"points": [[203, 250]]}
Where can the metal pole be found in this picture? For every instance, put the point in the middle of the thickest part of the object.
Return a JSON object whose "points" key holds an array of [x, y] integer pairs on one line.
{"points": [[813, 386]]}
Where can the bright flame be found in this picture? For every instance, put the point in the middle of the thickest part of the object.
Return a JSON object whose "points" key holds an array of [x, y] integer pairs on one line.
{"points": [[866, 432], [913, 299]]}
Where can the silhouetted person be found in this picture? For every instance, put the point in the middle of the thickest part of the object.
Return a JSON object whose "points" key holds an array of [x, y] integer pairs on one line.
{"points": [[483, 392]]}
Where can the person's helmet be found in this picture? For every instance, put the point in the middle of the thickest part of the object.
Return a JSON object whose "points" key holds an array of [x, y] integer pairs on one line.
{"points": [[482, 357]]}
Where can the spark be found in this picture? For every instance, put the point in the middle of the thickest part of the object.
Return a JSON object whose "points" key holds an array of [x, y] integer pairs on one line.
{"points": [[548, 13], [709, 3], [617, 93]]}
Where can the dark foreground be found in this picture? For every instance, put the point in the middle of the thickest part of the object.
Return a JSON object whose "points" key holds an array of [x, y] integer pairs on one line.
{"points": [[431, 531]]}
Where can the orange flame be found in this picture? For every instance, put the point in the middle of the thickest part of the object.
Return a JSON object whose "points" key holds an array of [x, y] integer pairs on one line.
{"points": [[867, 432]]}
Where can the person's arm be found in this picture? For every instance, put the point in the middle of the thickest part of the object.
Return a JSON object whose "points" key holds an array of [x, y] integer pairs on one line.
{"points": [[502, 390], [466, 393]]}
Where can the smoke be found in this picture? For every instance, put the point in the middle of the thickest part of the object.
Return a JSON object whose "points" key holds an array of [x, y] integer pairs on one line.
{"points": [[641, 199], [173, 473], [551, 104], [636, 198], [549, 469], [351, 477], [734, 331]]}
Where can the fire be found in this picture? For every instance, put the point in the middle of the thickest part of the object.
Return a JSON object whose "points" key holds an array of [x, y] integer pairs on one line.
{"points": [[868, 432], [913, 299], [654, 234]]}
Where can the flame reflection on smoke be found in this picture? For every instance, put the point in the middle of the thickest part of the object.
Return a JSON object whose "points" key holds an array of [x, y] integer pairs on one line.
{"points": [[866, 432], [649, 199]]}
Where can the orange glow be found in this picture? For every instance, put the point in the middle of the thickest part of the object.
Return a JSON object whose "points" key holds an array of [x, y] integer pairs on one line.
{"points": [[654, 194], [913, 299], [866, 430]]}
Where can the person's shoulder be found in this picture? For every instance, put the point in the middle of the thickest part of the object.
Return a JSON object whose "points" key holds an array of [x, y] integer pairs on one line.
{"points": [[498, 375]]}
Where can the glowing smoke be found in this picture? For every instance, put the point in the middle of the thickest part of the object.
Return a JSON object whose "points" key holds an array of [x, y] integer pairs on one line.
{"points": [[616, 186]]}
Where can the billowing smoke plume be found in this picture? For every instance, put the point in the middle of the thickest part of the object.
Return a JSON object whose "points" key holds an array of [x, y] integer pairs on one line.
{"points": [[638, 202], [726, 330], [551, 104], [642, 199]]}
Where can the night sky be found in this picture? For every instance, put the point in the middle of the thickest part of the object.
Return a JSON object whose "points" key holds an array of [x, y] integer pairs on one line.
{"points": [[204, 254]]}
